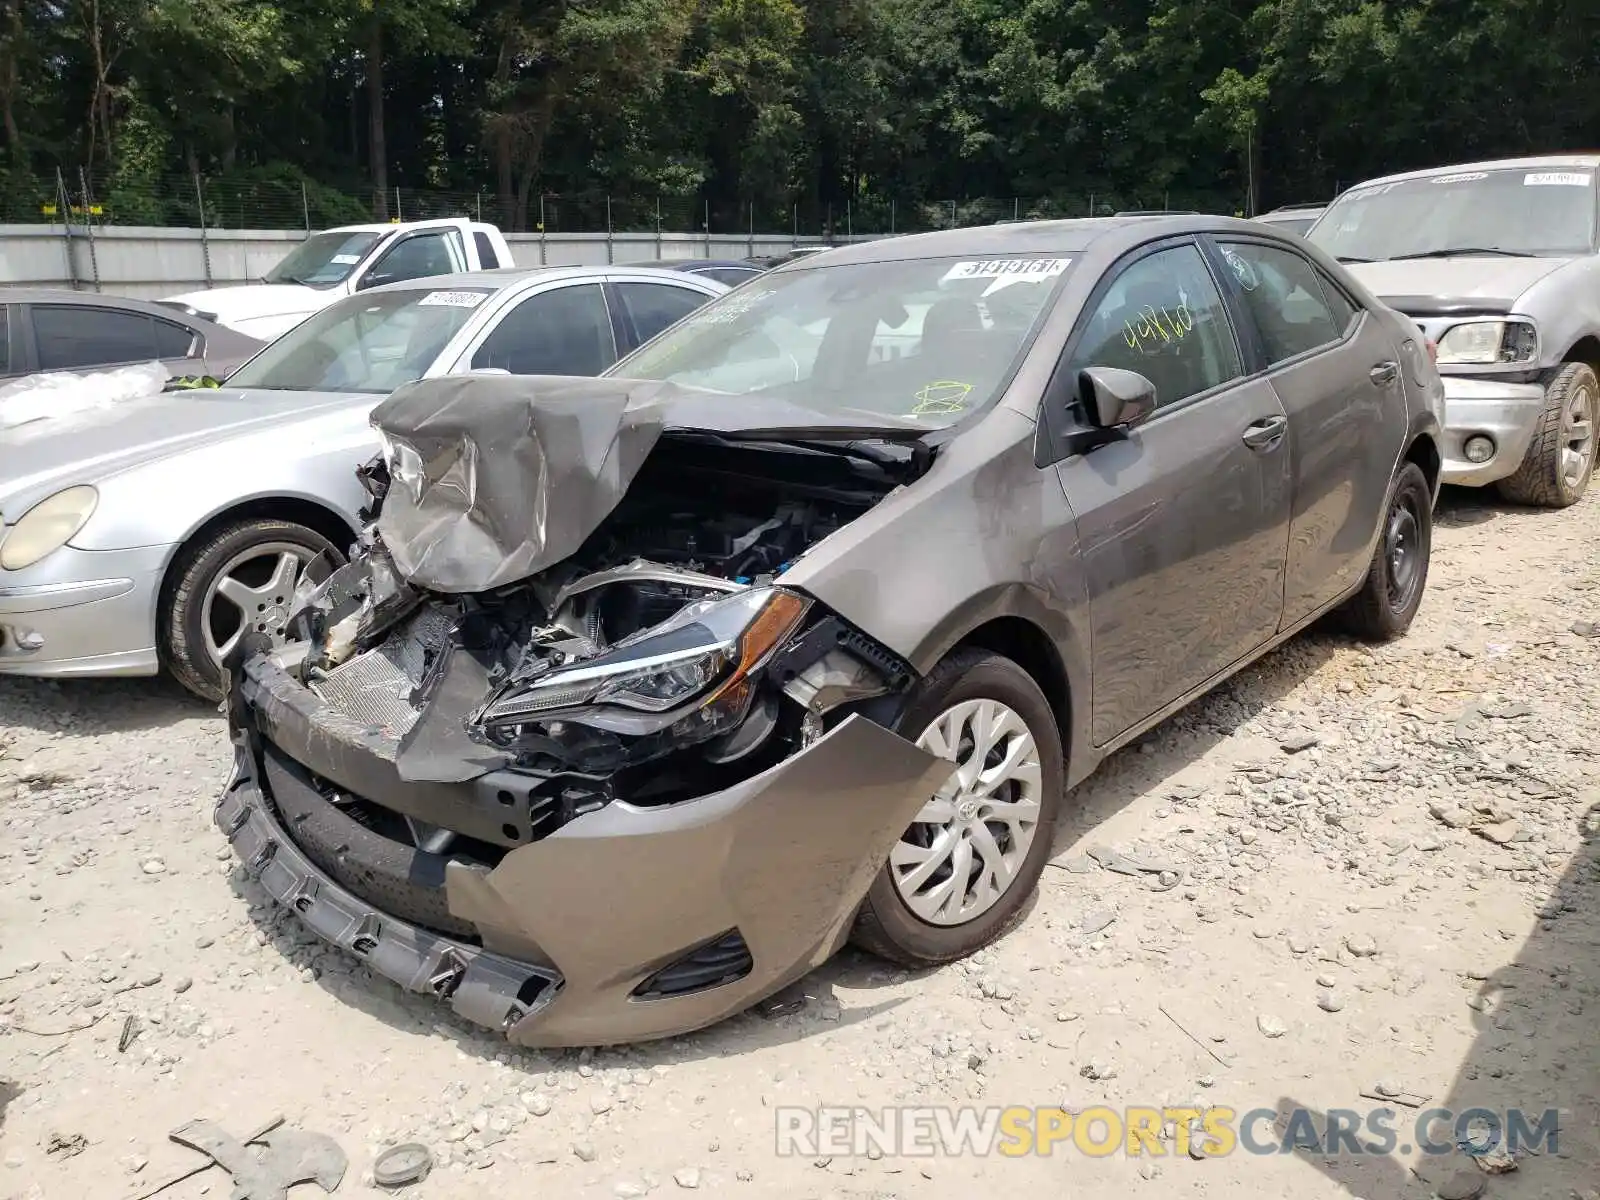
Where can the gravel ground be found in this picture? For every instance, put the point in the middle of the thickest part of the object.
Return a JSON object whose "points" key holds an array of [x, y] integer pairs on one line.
{"points": [[1369, 866]]}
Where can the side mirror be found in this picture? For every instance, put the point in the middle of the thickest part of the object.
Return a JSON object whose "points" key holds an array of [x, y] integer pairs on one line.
{"points": [[1115, 399], [371, 279]]}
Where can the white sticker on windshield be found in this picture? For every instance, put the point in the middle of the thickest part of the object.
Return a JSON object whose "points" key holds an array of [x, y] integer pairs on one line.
{"points": [[1464, 177], [1007, 271], [1557, 179], [346, 260], [452, 300]]}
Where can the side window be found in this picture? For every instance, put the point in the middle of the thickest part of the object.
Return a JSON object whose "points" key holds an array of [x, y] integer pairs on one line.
{"points": [[5, 339], [654, 306], [72, 336], [1164, 318], [486, 254], [1284, 297], [1344, 312], [173, 341], [562, 332], [418, 257]]}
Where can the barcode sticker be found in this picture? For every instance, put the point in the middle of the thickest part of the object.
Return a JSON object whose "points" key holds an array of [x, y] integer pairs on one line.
{"points": [[452, 300]]}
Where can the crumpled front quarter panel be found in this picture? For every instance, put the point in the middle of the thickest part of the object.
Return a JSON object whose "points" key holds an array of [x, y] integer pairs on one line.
{"points": [[984, 534], [784, 858]]}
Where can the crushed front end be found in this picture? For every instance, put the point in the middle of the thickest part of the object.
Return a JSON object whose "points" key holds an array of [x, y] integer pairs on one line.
{"points": [[621, 798]]}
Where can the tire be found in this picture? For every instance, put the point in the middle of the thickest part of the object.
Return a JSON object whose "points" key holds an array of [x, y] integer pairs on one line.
{"points": [[1544, 480], [1384, 607], [182, 617], [886, 924]]}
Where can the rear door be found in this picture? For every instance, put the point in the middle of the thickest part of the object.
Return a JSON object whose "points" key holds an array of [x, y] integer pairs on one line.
{"points": [[1337, 372], [1183, 527], [79, 337]]}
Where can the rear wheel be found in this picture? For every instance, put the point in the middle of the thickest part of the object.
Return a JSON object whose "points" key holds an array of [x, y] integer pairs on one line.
{"points": [[1398, 575], [960, 874], [1555, 472], [235, 581]]}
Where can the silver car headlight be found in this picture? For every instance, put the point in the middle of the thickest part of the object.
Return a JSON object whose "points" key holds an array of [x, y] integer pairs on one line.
{"points": [[48, 526], [1480, 343], [707, 653]]}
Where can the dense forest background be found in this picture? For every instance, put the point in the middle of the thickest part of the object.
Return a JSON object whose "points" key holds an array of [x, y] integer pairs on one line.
{"points": [[766, 113]]}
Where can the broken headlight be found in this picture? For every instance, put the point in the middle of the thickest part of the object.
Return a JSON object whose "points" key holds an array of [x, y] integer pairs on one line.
{"points": [[1484, 342], [705, 655]]}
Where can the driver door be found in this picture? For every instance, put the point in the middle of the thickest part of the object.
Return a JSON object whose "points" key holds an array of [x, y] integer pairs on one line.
{"points": [[420, 255], [1183, 527]]}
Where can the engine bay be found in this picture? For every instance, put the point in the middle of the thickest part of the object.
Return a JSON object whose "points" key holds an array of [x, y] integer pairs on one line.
{"points": [[705, 521]]}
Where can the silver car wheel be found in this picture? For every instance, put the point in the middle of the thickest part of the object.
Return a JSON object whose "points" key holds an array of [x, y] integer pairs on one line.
{"points": [[1577, 436], [963, 851], [251, 594]]}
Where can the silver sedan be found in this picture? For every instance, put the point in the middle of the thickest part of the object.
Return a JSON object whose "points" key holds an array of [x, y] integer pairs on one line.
{"points": [[156, 533]]}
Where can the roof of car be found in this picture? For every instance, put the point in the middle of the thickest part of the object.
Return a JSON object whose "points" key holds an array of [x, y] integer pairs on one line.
{"points": [[1025, 237], [507, 277], [154, 308], [1538, 162], [694, 264]]}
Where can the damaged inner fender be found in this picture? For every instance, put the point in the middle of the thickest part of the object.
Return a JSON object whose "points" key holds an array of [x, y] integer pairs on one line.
{"points": [[660, 661]]}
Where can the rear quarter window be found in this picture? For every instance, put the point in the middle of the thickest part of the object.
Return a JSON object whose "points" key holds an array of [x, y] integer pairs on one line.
{"points": [[486, 255]]}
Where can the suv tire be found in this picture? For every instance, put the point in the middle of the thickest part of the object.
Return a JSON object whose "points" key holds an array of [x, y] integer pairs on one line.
{"points": [[1546, 478]]}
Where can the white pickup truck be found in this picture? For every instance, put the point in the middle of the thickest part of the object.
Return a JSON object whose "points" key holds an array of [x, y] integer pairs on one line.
{"points": [[336, 263]]}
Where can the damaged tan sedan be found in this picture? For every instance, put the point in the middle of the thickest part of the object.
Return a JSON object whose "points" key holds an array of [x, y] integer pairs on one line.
{"points": [[640, 696]]}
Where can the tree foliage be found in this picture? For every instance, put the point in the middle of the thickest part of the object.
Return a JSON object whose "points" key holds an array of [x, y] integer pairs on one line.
{"points": [[754, 107]]}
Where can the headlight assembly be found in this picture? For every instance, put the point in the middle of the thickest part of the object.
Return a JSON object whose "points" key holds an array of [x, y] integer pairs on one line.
{"points": [[47, 526], [704, 657], [1483, 343]]}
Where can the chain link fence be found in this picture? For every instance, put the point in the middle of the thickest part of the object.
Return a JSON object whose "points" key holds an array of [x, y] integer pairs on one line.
{"points": [[282, 199]]}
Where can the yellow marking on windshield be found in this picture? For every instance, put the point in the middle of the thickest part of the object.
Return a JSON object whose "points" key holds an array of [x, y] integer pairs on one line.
{"points": [[941, 397]]}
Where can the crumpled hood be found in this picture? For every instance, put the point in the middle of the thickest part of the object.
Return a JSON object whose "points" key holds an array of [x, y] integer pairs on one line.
{"points": [[257, 302], [496, 478], [1492, 281], [40, 458]]}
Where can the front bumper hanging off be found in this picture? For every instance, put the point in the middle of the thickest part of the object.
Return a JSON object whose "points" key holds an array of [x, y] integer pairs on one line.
{"points": [[752, 886]]}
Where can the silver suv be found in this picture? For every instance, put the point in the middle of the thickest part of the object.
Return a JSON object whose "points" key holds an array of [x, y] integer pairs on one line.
{"points": [[1498, 263]]}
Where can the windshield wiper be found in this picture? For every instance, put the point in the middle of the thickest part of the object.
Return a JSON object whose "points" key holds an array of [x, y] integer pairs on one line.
{"points": [[1463, 251], [1345, 258]]}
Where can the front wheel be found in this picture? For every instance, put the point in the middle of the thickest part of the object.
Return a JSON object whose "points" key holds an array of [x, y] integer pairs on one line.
{"points": [[1392, 591], [960, 874], [235, 581], [1555, 472]]}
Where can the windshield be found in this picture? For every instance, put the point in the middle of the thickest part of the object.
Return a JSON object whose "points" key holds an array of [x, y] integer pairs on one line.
{"points": [[925, 338], [323, 259], [1523, 212], [369, 343]]}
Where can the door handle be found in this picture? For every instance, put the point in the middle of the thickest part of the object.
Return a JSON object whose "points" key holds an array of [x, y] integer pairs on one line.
{"points": [[1265, 433], [1384, 374]]}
